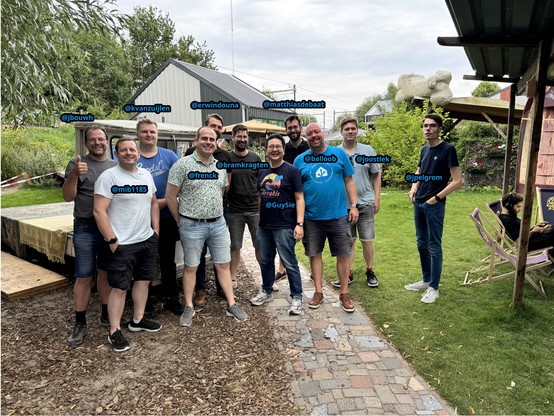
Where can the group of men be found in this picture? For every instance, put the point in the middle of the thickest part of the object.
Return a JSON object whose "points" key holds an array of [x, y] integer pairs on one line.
{"points": [[130, 213]]}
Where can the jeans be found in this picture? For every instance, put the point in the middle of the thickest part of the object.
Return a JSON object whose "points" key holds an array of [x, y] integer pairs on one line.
{"points": [[195, 233], [429, 222], [282, 241], [87, 241]]}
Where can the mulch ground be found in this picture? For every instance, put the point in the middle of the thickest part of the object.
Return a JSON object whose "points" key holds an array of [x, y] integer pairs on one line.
{"points": [[216, 366]]}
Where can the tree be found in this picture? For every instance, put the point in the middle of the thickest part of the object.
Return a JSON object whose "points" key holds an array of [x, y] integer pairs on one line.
{"points": [[398, 134], [370, 101], [37, 50], [102, 72], [151, 42], [307, 119], [485, 89]]}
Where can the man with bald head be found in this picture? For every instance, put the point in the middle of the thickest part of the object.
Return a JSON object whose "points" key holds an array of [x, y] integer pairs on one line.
{"points": [[326, 174], [199, 184]]}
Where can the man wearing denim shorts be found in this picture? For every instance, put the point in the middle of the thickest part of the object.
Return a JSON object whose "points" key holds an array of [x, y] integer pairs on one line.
{"points": [[128, 216], [242, 197], [80, 176], [199, 185], [327, 177], [367, 177]]}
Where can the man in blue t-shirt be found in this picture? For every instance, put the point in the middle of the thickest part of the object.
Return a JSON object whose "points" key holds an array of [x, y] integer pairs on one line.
{"points": [[281, 223], [158, 161], [437, 163], [327, 177]]}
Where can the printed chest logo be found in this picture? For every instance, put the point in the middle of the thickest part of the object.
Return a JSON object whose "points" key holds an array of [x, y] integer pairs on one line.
{"points": [[271, 185], [321, 173]]}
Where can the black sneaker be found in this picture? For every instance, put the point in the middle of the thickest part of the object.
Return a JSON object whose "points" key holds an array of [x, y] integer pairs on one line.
{"points": [[105, 322], [371, 278], [118, 341], [78, 335], [144, 325], [336, 283]]}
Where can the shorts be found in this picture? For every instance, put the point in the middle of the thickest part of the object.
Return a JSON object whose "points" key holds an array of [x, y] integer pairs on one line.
{"points": [[236, 222], [87, 241], [130, 262], [195, 233], [365, 224], [337, 231]]}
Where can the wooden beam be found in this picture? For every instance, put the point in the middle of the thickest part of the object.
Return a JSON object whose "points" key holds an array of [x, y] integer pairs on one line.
{"points": [[509, 140], [490, 41], [494, 125], [537, 116], [490, 78], [532, 71]]}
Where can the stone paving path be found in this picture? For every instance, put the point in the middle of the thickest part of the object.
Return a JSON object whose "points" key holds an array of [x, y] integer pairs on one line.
{"points": [[340, 362]]}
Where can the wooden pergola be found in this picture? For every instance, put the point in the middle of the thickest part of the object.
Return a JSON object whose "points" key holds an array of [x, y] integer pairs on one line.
{"points": [[511, 41]]}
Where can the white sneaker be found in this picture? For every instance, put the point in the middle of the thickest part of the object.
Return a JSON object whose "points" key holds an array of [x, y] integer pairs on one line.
{"points": [[296, 306], [430, 295], [421, 285], [261, 298]]}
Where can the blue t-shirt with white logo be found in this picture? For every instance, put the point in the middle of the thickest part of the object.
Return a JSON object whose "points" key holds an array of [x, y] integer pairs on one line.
{"points": [[323, 178]]}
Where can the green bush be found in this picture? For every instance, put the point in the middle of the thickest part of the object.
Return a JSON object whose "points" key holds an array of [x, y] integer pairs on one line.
{"points": [[398, 134], [36, 151]]}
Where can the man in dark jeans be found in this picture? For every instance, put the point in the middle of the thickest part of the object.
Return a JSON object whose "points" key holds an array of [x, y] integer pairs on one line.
{"points": [[437, 163], [158, 162]]}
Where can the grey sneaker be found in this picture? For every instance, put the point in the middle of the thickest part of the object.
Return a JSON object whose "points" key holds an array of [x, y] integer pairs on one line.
{"points": [[430, 295], [186, 316], [78, 335], [296, 306], [421, 285], [261, 298], [236, 312]]}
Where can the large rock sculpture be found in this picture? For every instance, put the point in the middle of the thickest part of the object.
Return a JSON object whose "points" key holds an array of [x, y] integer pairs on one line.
{"points": [[435, 88]]}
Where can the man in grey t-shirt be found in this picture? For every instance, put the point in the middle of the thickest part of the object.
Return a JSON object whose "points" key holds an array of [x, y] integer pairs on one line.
{"points": [[367, 178], [80, 176]]}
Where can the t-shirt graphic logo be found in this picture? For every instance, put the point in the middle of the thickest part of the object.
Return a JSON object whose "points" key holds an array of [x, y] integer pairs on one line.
{"points": [[321, 173]]}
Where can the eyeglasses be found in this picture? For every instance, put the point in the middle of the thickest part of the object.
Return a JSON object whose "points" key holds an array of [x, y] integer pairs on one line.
{"points": [[275, 147], [431, 126]]}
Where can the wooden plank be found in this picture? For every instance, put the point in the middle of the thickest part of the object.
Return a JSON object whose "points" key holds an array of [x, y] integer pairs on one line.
{"points": [[21, 278]]}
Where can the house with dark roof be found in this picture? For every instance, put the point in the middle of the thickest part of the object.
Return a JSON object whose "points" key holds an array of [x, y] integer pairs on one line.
{"points": [[183, 86]]}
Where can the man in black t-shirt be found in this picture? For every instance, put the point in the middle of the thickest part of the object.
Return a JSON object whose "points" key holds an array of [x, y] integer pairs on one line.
{"points": [[296, 145], [242, 197], [437, 163]]}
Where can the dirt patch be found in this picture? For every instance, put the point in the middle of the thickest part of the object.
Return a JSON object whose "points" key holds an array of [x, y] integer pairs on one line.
{"points": [[217, 366]]}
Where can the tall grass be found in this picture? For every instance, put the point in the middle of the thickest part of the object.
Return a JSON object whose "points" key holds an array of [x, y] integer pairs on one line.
{"points": [[470, 344]]}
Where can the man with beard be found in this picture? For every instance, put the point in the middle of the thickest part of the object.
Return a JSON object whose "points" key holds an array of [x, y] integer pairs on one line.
{"points": [[199, 185], [199, 300], [242, 197], [80, 176], [296, 145], [127, 214], [327, 177]]}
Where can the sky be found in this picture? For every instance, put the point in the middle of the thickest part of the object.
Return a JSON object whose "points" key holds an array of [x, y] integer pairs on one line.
{"points": [[339, 52]]}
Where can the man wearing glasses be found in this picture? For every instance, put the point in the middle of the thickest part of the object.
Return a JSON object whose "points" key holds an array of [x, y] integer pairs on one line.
{"points": [[437, 159], [80, 176], [281, 223]]}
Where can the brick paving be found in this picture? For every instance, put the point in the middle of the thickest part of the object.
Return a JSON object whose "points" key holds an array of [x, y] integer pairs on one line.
{"points": [[339, 361]]}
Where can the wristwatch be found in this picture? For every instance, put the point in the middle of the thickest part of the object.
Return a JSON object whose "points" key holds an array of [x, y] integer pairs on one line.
{"points": [[112, 241], [300, 224], [353, 206], [438, 198]]}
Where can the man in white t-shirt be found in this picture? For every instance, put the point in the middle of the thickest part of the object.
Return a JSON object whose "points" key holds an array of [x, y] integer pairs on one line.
{"points": [[126, 211]]}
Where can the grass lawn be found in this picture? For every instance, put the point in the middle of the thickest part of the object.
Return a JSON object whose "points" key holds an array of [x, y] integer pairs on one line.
{"points": [[470, 345], [31, 195]]}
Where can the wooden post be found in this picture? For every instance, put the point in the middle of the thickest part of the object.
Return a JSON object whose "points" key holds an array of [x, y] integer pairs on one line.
{"points": [[509, 140], [537, 117]]}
